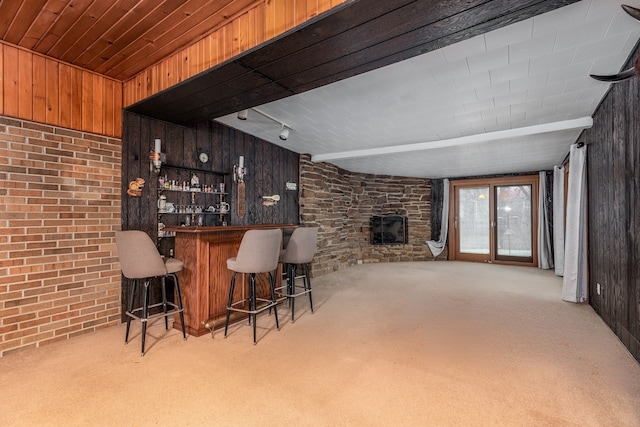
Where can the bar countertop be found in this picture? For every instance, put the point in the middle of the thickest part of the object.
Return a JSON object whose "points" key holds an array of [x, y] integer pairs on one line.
{"points": [[225, 228]]}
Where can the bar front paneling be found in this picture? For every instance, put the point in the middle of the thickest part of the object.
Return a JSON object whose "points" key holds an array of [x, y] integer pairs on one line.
{"points": [[205, 279]]}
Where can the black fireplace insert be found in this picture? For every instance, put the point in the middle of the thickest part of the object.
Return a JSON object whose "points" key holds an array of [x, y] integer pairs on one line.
{"points": [[389, 230]]}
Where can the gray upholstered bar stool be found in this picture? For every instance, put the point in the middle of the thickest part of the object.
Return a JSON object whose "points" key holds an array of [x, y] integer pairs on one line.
{"points": [[258, 253], [298, 254], [140, 261]]}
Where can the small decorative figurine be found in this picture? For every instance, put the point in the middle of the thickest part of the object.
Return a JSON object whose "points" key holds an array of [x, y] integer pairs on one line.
{"points": [[195, 181]]}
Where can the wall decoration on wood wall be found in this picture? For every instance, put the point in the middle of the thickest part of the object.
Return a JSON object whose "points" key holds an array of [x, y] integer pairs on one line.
{"points": [[135, 187], [241, 198], [270, 200], [203, 157], [239, 172], [631, 72]]}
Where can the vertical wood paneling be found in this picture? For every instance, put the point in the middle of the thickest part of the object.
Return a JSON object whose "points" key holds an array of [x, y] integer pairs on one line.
{"points": [[316, 7], [274, 25], [53, 93], [256, 33], [76, 98], [11, 73], [38, 88], [98, 103], [300, 12], [289, 14], [614, 224], [633, 162], [239, 29], [1, 78], [191, 64], [117, 108], [109, 111], [87, 101], [25, 84], [247, 30]]}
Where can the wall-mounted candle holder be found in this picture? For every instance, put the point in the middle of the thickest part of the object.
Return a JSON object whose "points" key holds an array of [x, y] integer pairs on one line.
{"points": [[239, 171]]}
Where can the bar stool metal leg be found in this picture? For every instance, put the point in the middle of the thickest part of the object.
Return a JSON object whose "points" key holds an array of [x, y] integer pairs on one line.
{"points": [[180, 309], [307, 279], [132, 292], [145, 312], [274, 302], [252, 303], [292, 289], [230, 302], [164, 303]]}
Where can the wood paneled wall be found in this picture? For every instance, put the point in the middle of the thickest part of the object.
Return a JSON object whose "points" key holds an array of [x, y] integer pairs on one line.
{"points": [[35, 87], [269, 168], [257, 25], [613, 170]]}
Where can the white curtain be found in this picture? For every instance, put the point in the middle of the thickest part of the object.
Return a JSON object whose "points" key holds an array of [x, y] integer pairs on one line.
{"points": [[545, 253], [438, 247], [558, 219], [574, 283]]}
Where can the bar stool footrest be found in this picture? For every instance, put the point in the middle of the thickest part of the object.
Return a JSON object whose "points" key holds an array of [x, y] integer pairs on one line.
{"points": [[174, 309], [257, 310]]}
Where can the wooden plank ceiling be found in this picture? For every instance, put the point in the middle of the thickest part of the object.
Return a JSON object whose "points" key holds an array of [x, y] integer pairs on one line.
{"points": [[120, 38], [353, 38], [116, 38]]}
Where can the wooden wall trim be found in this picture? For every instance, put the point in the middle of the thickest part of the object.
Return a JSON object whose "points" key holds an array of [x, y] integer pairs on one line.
{"points": [[44, 90], [256, 25]]}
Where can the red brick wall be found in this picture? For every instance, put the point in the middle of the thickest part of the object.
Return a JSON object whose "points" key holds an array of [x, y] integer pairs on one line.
{"points": [[59, 208]]}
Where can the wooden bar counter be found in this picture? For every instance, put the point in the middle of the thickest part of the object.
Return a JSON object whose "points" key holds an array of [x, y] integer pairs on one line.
{"points": [[204, 280]]}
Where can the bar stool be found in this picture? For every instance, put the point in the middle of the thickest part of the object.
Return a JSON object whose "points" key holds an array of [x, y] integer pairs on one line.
{"points": [[258, 253], [298, 254], [140, 261]]}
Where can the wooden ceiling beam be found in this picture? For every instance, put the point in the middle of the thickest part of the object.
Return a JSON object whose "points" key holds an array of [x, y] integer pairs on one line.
{"points": [[332, 48]]}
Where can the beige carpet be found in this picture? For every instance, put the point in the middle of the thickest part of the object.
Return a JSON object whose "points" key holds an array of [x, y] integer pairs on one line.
{"points": [[413, 344]]}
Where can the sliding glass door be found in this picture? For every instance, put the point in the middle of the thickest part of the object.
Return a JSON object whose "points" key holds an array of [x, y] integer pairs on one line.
{"points": [[493, 220], [473, 222], [514, 223]]}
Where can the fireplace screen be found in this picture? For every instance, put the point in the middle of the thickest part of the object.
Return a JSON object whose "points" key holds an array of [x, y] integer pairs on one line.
{"points": [[389, 230]]}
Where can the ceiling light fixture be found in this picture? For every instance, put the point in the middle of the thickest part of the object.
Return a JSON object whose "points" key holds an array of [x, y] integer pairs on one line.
{"points": [[284, 128], [284, 133]]}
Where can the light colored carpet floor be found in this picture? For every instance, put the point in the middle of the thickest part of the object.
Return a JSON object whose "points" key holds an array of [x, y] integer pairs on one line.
{"points": [[399, 344]]}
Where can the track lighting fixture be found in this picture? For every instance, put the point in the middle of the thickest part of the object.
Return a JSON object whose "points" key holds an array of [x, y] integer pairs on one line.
{"points": [[284, 128], [284, 133]]}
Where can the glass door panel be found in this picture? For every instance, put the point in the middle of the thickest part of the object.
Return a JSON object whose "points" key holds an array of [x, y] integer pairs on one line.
{"points": [[514, 220], [473, 221], [494, 219]]}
